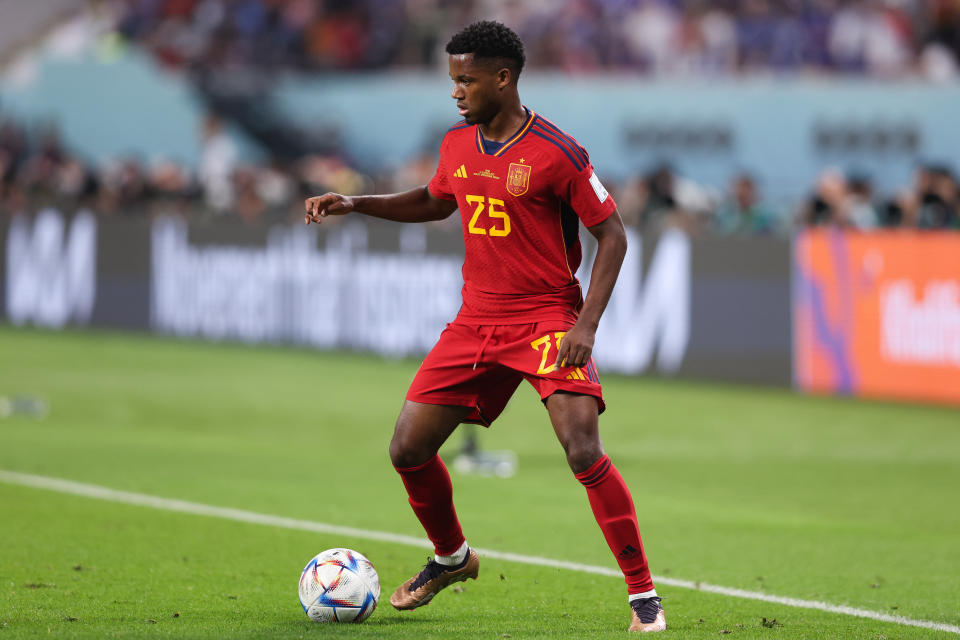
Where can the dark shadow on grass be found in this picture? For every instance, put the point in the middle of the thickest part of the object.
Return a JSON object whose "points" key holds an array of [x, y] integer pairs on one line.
{"points": [[371, 625]]}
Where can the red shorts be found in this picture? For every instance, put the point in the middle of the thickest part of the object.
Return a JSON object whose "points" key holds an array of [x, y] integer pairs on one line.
{"points": [[481, 367]]}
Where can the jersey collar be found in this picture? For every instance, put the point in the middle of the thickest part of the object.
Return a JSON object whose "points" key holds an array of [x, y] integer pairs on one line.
{"points": [[512, 140]]}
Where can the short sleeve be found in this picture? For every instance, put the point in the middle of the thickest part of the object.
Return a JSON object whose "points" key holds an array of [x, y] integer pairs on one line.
{"points": [[586, 195], [439, 185]]}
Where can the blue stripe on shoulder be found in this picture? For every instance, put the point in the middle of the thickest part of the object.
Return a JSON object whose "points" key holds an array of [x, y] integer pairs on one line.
{"points": [[460, 125], [581, 153], [573, 147], [560, 145]]}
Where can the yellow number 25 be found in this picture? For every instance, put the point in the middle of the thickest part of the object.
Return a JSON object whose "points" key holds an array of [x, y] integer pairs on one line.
{"points": [[491, 205]]}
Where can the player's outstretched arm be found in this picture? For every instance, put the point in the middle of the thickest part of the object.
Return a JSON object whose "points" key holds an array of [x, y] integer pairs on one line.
{"points": [[416, 205], [577, 345]]}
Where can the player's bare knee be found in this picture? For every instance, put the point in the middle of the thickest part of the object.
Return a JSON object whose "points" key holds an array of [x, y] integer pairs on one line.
{"points": [[406, 449], [403, 453], [582, 454], [405, 457]]}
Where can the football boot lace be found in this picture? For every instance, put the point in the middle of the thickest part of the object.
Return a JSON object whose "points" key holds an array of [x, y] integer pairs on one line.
{"points": [[646, 608], [431, 570]]}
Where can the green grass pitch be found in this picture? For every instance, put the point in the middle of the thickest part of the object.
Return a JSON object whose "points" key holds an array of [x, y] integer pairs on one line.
{"points": [[846, 502]]}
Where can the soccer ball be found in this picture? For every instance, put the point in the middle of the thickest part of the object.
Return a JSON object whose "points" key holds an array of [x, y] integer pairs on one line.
{"points": [[339, 585]]}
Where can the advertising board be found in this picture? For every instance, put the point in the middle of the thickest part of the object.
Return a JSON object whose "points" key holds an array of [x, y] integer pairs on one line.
{"points": [[878, 314], [705, 308]]}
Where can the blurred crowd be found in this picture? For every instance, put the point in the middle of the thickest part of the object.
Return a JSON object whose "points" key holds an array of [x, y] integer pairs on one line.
{"points": [[930, 201], [37, 170], [889, 38], [656, 37]]}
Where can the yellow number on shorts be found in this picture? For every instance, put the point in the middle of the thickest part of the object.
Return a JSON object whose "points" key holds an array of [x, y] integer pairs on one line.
{"points": [[492, 212], [542, 345]]}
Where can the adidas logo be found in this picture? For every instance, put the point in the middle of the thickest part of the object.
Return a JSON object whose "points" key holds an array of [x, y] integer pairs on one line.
{"points": [[628, 552], [576, 374], [461, 172]]}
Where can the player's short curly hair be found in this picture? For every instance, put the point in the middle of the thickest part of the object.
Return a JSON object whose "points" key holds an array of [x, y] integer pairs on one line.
{"points": [[491, 40]]}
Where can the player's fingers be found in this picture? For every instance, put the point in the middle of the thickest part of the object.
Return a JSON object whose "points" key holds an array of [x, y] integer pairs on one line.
{"points": [[576, 357], [583, 355], [562, 354], [317, 205]]}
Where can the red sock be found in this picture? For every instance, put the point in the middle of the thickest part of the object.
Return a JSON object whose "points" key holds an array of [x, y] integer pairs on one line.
{"points": [[613, 508], [431, 496]]}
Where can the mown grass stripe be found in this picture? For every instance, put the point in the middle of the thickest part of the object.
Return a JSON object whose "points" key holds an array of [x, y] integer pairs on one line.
{"points": [[241, 515]]}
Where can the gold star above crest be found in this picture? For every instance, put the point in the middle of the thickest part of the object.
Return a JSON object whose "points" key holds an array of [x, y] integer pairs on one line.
{"points": [[521, 160]]}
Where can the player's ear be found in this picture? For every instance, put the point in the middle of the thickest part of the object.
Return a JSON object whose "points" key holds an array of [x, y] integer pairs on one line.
{"points": [[504, 77]]}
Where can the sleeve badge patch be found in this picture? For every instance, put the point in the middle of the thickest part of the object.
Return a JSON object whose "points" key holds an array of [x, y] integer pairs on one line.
{"points": [[597, 187], [518, 178]]}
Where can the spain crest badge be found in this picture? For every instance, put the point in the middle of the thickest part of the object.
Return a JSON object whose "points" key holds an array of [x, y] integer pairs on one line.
{"points": [[518, 178]]}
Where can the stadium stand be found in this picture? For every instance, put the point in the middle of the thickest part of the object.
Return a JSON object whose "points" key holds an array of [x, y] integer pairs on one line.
{"points": [[227, 50], [654, 36]]}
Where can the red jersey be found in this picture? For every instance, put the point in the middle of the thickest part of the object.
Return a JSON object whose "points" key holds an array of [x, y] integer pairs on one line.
{"points": [[520, 208]]}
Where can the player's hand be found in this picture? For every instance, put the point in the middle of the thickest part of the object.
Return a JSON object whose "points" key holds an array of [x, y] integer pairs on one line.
{"points": [[329, 204], [576, 346]]}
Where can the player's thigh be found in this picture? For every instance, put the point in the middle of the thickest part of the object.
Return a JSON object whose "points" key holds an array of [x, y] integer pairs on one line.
{"points": [[575, 421], [421, 430]]}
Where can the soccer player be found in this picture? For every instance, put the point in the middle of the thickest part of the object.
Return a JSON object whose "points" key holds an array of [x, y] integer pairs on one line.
{"points": [[522, 186]]}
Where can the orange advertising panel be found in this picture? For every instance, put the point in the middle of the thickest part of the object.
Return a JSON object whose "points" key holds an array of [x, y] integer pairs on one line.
{"points": [[877, 314]]}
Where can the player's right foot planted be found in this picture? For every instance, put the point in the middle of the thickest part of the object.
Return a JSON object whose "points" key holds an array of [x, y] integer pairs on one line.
{"points": [[420, 589], [647, 615]]}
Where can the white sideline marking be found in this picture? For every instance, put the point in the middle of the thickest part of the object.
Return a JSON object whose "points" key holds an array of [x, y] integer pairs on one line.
{"points": [[240, 515]]}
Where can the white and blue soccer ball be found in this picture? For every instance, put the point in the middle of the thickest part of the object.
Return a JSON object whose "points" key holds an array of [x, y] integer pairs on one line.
{"points": [[339, 585]]}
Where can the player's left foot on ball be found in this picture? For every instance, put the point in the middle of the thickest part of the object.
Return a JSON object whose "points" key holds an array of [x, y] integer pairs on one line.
{"points": [[647, 615], [420, 589]]}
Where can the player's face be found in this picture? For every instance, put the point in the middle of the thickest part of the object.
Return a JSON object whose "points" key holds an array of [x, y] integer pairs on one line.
{"points": [[476, 88]]}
